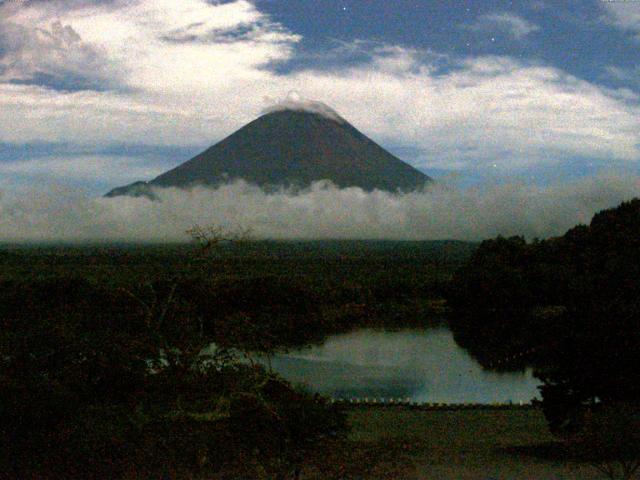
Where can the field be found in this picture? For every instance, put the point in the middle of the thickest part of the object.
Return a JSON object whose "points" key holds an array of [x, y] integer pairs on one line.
{"points": [[402, 443]]}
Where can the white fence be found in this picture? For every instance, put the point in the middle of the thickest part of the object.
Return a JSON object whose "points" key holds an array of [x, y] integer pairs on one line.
{"points": [[407, 402]]}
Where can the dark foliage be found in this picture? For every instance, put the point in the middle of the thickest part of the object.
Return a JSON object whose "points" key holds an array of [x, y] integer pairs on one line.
{"points": [[610, 440], [100, 382], [568, 306], [101, 366]]}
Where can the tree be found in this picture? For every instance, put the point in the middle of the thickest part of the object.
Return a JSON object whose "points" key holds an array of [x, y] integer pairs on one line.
{"points": [[609, 439], [102, 380], [569, 307]]}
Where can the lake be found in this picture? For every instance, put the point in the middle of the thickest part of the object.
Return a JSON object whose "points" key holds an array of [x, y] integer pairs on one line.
{"points": [[422, 365]]}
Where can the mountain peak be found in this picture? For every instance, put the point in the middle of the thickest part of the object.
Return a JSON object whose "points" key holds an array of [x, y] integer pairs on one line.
{"points": [[292, 145], [305, 106]]}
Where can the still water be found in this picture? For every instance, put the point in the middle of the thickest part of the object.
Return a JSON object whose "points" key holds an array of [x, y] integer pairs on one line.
{"points": [[422, 365]]}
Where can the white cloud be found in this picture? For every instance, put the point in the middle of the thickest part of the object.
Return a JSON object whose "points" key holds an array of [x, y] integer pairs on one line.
{"points": [[295, 102], [322, 212], [178, 47], [192, 72], [79, 169], [490, 110], [36, 114], [624, 15], [37, 40], [160, 45], [504, 23], [55, 51], [628, 76]]}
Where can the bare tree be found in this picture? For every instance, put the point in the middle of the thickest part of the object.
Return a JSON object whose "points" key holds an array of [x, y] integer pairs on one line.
{"points": [[211, 236]]}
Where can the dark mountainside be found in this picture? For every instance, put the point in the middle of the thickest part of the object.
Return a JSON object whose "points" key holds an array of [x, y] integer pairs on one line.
{"points": [[291, 148]]}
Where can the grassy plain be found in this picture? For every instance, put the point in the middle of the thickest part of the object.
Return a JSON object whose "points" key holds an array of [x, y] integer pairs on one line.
{"points": [[403, 443]]}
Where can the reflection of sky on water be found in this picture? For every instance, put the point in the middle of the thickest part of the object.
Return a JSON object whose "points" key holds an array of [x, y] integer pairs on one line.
{"points": [[425, 365]]}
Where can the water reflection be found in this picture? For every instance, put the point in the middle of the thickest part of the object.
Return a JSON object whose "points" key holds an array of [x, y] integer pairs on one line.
{"points": [[424, 365]]}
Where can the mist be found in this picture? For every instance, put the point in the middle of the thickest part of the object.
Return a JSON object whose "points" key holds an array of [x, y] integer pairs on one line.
{"points": [[321, 212]]}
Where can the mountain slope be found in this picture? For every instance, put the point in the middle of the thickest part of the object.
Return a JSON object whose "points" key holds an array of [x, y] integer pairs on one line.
{"points": [[292, 148]]}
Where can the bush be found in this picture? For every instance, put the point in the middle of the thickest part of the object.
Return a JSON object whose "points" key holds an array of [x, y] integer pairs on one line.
{"points": [[90, 389], [609, 439]]}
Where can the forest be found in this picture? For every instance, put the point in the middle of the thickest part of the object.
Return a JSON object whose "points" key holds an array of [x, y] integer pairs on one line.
{"points": [[107, 368], [107, 371], [570, 308]]}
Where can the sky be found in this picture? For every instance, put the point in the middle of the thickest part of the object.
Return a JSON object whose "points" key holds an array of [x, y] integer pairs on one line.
{"points": [[99, 93], [526, 113]]}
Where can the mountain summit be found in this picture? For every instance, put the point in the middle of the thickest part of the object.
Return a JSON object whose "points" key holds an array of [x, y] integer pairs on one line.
{"points": [[291, 148]]}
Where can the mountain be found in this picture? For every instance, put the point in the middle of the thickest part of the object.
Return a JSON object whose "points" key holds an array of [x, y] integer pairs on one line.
{"points": [[291, 148]]}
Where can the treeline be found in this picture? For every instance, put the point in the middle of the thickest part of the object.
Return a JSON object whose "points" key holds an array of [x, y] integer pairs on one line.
{"points": [[139, 363], [332, 285], [567, 306]]}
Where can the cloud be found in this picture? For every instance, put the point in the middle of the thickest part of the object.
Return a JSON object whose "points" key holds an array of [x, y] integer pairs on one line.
{"points": [[504, 23], [322, 212], [54, 55], [627, 76], [191, 72], [624, 15], [80, 169], [295, 102], [157, 45], [489, 110]]}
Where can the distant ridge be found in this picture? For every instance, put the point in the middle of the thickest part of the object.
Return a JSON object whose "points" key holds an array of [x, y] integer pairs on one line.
{"points": [[291, 148]]}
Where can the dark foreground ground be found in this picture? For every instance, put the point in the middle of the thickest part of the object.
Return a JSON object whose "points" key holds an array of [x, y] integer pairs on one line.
{"points": [[401, 443]]}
